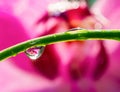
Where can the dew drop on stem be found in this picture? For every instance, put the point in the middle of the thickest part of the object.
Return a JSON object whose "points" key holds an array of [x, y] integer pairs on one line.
{"points": [[35, 52], [76, 29]]}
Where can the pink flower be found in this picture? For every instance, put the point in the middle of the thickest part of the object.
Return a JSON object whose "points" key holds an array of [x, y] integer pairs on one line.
{"points": [[70, 67], [110, 10]]}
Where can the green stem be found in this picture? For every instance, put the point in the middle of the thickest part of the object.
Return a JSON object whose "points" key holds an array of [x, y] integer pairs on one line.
{"points": [[61, 37]]}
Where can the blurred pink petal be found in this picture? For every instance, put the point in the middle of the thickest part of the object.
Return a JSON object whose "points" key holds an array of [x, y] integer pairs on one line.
{"points": [[110, 9], [71, 65], [14, 80]]}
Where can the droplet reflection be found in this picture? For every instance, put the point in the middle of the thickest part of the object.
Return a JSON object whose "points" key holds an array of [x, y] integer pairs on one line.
{"points": [[35, 52]]}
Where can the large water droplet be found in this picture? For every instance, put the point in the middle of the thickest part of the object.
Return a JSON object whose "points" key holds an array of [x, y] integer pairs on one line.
{"points": [[35, 52]]}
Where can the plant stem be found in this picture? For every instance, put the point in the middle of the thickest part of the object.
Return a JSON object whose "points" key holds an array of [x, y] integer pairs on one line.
{"points": [[60, 37]]}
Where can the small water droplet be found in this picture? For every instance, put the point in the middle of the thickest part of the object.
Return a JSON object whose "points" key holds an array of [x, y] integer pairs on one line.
{"points": [[75, 29], [13, 53], [33, 42], [35, 52]]}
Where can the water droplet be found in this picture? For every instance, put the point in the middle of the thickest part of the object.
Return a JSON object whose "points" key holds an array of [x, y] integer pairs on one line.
{"points": [[33, 42], [75, 29], [35, 52]]}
